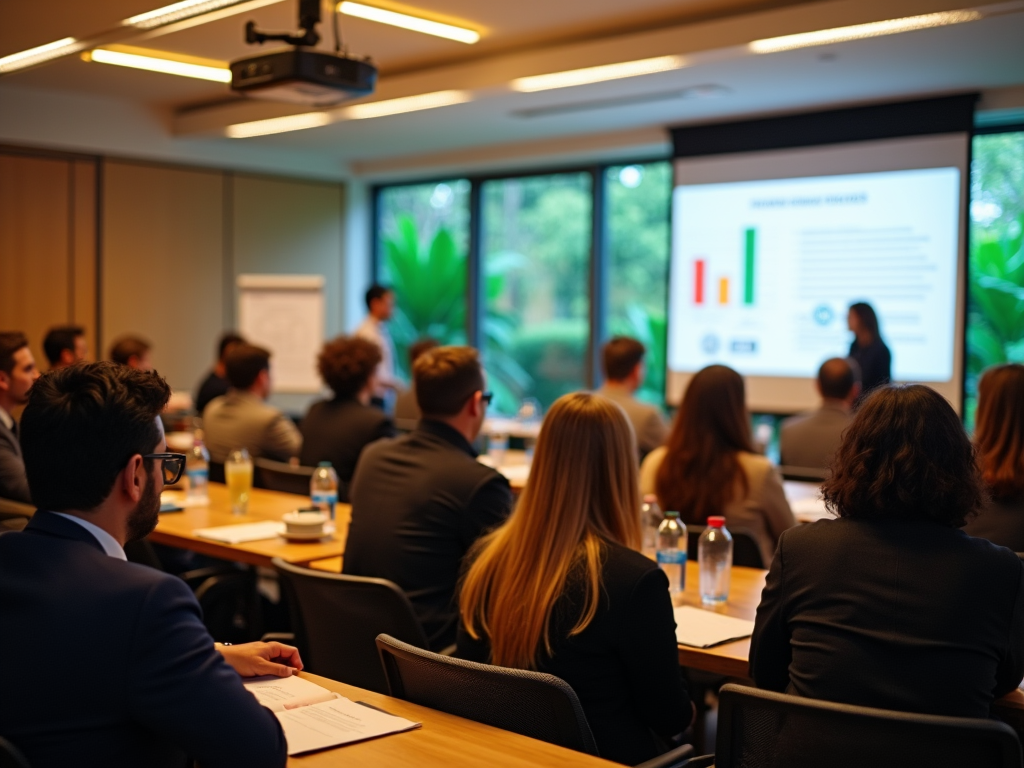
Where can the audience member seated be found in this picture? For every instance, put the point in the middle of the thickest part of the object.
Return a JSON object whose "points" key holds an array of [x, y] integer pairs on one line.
{"points": [[65, 345], [17, 375], [709, 466], [624, 372], [999, 442], [406, 409], [242, 418], [590, 609], [420, 501], [216, 382], [338, 430], [892, 605], [811, 439], [114, 666], [133, 352]]}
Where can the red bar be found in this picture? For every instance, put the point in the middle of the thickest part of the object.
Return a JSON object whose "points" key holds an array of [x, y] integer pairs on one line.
{"points": [[698, 281]]}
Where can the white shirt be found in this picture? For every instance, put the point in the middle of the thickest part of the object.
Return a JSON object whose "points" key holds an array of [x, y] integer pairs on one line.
{"points": [[108, 542], [6, 419], [374, 330]]}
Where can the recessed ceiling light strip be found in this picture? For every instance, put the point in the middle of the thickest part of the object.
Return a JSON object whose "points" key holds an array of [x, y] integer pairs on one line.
{"points": [[278, 125], [598, 74], [405, 21], [157, 64], [176, 12], [39, 54]]}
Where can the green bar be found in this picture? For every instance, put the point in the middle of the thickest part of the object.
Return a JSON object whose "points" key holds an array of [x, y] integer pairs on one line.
{"points": [[748, 277]]}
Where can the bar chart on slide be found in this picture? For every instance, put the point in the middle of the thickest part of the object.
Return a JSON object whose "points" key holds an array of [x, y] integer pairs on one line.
{"points": [[714, 285]]}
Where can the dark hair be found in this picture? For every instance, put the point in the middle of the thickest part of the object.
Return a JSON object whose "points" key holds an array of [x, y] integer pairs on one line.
{"points": [[868, 319], [420, 346], [999, 431], [701, 472], [244, 363], [10, 342], [376, 291], [81, 426], [621, 355], [905, 455], [445, 378], [837, 376], [127, 347], [227, 340], [60, 338], [346, 364]]}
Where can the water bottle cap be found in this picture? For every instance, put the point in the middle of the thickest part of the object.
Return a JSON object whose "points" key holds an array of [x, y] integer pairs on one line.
{"points": [[716, 522], [324, 464], [671, 513]]}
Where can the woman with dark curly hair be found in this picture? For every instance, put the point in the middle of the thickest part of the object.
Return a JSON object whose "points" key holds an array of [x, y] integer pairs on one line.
{"points": [[337, 430], [892, 605]]}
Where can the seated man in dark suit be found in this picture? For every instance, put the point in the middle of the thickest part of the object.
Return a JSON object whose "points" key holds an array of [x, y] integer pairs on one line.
{"points": [[114, 666], [811, 439], [338, 430], [18, 373], [216, 382], [419, 502]]}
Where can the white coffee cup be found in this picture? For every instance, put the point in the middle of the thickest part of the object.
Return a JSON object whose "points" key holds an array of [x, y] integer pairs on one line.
{"points": [[306, 523]]}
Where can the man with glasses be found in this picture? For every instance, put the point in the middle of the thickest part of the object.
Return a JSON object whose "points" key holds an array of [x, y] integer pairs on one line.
{"points": [[420, 501], [114, 666]]}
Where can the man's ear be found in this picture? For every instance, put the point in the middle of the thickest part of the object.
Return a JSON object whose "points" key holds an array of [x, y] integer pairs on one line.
{"points": [[5, 381], [132, 477]]}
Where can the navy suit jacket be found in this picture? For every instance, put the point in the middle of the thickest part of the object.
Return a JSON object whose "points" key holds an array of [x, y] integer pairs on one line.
{"points": [[109, 664]]}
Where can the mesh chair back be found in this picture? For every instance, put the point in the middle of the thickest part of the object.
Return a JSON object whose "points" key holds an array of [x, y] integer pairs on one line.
{"points": [[745, 550], [336, 619], [804, 474], [763, 729], [529, 703], [279, 476], [10, 756]]}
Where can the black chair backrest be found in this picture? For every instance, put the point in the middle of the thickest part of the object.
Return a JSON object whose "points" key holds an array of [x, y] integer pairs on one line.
{"points": [[278, 476], [336, 619], [804, 474], [529, 703], [216, 470], [763, 729], [745, 550], [10, 756]]}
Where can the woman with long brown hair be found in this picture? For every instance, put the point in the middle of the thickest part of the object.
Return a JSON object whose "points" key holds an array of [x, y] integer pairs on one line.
{"points": [[708, 467], [999, 442], [562, 589]]}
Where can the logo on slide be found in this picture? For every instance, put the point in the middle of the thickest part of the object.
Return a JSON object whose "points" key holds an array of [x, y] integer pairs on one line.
{"points": [[710, 344], [823, 314]]}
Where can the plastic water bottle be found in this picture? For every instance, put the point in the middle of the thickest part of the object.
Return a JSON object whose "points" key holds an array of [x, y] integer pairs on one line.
{"points": [[672, 551], [650, 518], [323, 488], [197, 468], [714, 555]]}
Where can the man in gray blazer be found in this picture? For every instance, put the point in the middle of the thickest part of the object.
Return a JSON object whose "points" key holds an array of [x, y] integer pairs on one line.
{"points": [[810, 439], [624, 371], [18, 373], [242, 418]]}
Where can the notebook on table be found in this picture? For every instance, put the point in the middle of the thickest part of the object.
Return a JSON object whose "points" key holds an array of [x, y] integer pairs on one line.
{"points": [[698, 628]]}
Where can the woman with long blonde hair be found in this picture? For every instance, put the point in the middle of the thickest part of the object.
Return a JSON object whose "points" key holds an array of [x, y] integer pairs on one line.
{"points": [[561, 587]]}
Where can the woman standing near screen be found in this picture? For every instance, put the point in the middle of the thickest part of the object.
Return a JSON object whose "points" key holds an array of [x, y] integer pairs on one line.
{"points": [[868, 349]]}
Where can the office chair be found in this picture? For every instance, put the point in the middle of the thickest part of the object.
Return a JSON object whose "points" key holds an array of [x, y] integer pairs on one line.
{"points": [[279, 476]]}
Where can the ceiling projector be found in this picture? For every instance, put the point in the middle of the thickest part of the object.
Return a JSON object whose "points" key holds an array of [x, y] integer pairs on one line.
{"points": [[301, 74]]}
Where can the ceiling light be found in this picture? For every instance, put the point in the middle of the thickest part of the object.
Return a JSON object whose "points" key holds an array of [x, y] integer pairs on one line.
{"points": [[39, 54], [598, 74], [278, 125], [404, 104], [156, 64], [861, 31], [176, 12], [405, 21]]}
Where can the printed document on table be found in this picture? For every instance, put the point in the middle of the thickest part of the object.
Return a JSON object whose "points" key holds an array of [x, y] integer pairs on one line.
{"points": [[280, 693], [703, 629], [337, 722], [239, 534]]}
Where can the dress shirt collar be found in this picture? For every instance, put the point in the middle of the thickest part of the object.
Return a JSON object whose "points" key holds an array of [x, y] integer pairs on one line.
{"points": [[446, 433], [108, 542], [6, 419]]}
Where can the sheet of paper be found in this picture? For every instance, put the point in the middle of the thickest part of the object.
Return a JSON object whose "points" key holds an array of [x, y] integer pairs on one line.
{"points": [[281, 693], [238, 534], [702, 629], [809, 510], [337, 722]]}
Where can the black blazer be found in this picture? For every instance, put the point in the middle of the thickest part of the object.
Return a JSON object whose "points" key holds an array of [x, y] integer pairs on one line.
{"points": [[13, 482], [625, 665], [418, 504], [112, 665], [911, 616], [337, 431], [875, 363], [213, 386]]}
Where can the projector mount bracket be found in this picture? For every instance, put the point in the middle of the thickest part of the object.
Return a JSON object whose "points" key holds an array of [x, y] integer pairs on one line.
{"points": [[309, 18]]}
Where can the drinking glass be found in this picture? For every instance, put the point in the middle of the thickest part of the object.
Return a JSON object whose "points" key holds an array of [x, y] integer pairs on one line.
{"points": [[238, 473]]}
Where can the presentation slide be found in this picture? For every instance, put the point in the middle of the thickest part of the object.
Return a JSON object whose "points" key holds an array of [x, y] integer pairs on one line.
{"points": [[763, 273]]}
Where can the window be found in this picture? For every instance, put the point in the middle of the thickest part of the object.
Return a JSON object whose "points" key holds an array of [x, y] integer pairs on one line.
{"points": [[536, 234], [638, 200], [423, 245], [995, 319]]}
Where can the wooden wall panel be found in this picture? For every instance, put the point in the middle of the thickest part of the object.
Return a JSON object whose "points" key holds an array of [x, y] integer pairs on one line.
{"points": [[162, 266], [83, 275]]}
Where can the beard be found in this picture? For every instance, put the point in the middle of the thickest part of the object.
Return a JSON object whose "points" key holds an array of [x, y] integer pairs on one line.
{"points": [[143, 519]]}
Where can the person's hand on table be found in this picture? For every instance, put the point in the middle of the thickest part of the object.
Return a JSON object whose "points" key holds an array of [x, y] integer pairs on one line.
{"points": [[256, 659]]}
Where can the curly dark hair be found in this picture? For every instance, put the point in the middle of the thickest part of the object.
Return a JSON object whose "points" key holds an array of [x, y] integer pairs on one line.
{"points": [[346, 364], [905, 456]]}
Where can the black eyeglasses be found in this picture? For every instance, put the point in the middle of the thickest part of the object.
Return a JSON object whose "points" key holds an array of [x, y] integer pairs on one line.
{"points": [[173, 465], [487, 397]]}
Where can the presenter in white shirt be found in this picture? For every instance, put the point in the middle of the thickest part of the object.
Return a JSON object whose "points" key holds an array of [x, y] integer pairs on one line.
{"points": [[380, 305]]}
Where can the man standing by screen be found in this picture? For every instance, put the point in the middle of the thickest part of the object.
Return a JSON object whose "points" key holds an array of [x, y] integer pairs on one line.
{"points": [[380, 306]]}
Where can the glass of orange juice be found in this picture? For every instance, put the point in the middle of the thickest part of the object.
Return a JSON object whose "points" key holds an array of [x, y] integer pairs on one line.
{"points": [[238, 473]]}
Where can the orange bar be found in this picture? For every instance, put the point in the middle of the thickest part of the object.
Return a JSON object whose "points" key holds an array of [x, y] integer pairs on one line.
{"points": [[723, 290]]}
